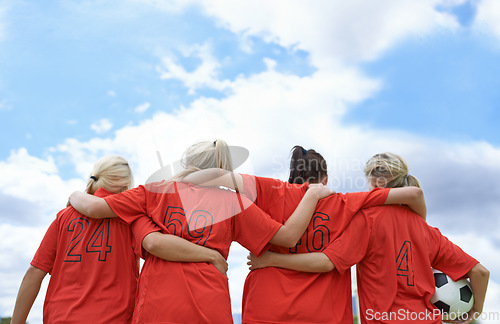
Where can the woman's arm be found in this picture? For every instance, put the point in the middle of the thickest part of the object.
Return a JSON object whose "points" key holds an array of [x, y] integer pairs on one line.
{"points": [[294, 227], [479, 277], [411, 196], [30, 286], [173, 248], [216, 177], [306, 262], [90, 205]]}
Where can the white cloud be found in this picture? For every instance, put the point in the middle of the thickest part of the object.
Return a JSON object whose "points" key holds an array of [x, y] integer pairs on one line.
{"points": [[102, 126], [333, 32], [488, 16], [111, 93], [22, 244], [31, 188], [142, 108], [204, 75]]}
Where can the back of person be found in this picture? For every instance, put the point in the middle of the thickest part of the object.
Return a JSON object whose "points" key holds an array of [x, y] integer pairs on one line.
{"points": [[395, 279], [193, 292], [278, 295], [94, 270]]}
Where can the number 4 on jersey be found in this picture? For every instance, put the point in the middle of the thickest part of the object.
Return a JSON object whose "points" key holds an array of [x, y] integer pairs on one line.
{"points": [[99, 242], [404, 263]]}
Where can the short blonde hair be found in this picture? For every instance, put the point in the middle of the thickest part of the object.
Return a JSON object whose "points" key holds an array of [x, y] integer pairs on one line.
{"points": [[389, 170], [112, 173]]}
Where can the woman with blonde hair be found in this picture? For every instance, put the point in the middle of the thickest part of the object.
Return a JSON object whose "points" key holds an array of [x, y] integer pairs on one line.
{"points": [[394, 250], [94, 263], [188, 292]]}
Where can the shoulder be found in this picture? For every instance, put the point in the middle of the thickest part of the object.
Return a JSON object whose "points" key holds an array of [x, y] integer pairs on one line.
{"points": [[398, 212]]}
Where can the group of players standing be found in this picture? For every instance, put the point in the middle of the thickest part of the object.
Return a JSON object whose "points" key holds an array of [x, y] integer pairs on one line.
{"points": [[302, 236]]}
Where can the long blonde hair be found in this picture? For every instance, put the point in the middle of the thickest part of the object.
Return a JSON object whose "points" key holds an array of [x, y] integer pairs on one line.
{"points": [[205, 155], [111, 173], [389, 170]]}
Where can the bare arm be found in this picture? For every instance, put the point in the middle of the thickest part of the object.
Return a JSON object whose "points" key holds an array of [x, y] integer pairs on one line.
{"points": [[479, 277], [411, 196], [173, 248], [294, 227], [217, 177], [91, 206], [306, 262], [30, 286]]}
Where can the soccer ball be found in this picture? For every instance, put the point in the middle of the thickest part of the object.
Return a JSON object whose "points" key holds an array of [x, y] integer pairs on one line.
{"points": [[453, 298]]}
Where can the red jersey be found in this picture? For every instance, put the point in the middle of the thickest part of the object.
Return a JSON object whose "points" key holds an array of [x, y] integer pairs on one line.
{"points": [[93, 268], [394, 250], [275, 295], [185, 292]]}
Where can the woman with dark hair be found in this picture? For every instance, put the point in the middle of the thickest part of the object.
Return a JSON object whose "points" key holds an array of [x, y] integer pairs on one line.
{"points": [[307, 166]]}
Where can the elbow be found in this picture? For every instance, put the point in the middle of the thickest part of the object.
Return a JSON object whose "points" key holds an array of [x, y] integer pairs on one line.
{"points": [[417, 194], [284, 239], [150, 243], [289, 241], [327, 266], [481, 271], [290, 244]]}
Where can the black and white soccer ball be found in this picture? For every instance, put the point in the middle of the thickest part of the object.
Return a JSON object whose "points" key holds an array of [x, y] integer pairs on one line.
{"points": [[453, 298]]}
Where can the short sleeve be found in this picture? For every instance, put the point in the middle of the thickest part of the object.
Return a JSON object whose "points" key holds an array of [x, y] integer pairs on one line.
{"points": [[350, 247], [250, 186], [141, 227], [46, 254], [253, 228], [128, 205], [448, 257], [264, 192], [358, 200]]}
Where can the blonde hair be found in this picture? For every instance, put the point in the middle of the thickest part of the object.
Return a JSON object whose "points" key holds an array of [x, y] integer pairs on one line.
{"points": [[389, 170], [111, 173], [205, 155]]}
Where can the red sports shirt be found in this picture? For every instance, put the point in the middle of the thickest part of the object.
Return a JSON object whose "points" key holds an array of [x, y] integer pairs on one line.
{"points": [[274, 295], [93, 267], [185, 292], [394, 250]]}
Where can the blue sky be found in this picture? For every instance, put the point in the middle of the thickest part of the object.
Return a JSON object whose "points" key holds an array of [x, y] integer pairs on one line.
{"points": [[80, 79], [64, 67], [444, 86]]}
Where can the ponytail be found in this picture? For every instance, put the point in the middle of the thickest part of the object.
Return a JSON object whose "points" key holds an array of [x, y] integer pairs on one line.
{"points": [[111, 173], [389, 170]]}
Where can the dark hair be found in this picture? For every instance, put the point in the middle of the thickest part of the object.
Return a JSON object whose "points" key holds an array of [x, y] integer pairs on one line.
{"points": [[306, 166]]}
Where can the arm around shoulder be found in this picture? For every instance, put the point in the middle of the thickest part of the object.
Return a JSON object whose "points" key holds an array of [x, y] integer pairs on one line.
{"points": [[91, 206], [411, 196], [295, 226]]}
